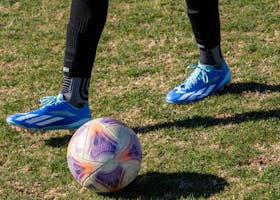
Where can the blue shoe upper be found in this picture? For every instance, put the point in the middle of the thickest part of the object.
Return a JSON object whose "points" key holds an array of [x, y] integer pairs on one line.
{"points": [[55, 113], [204, 80]]}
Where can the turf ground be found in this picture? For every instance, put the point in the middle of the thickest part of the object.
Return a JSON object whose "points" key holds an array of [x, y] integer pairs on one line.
{"points": [[224, 147]]}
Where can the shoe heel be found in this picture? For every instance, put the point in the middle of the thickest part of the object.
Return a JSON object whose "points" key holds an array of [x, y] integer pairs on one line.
{"points": [[225, 86]]}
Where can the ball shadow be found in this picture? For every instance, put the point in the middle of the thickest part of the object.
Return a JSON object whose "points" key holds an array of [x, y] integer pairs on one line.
{"points": [[155, 185]]}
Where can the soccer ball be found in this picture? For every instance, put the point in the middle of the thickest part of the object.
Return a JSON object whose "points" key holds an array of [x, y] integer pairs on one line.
{"points": [[104, 155]]}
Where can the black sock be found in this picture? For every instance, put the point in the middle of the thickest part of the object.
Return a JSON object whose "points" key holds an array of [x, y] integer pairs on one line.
{"points": [[75, 90], [211, 56], [87, 20], [205, 21]]}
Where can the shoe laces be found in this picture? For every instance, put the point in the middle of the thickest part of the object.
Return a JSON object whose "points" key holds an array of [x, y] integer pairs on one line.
{"points": [[51, 100], [199, 73]]}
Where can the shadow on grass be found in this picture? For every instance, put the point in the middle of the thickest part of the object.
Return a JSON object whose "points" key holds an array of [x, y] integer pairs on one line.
{"points": [[58, 141], [198, 121], [239, 88], [193, 122], [234, 88], [155, 185]]}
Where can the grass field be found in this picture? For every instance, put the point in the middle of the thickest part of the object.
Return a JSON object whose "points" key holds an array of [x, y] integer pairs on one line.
{"points": [[224, 147]]}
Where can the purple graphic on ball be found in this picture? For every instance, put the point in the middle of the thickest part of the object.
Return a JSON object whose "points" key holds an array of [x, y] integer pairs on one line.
{"points": [[102, 143], [135, 148], [110, 179], [75, 168]]}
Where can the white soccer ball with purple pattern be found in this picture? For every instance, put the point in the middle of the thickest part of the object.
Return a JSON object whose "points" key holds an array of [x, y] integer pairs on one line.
{"points": [[104, 155]]}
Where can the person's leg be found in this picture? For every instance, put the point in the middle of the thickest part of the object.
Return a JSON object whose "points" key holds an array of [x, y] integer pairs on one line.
{"points": [[211, 73], [205, 21], [87, 20], [70, 109]]}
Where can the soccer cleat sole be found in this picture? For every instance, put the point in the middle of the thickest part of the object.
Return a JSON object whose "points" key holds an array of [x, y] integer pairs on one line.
{"points": [[31, 131], [25, 130], [210, 94]]}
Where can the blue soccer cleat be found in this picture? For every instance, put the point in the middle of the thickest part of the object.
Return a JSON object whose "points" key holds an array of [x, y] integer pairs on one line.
{"points": [[203, 81], [55, 113]]}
